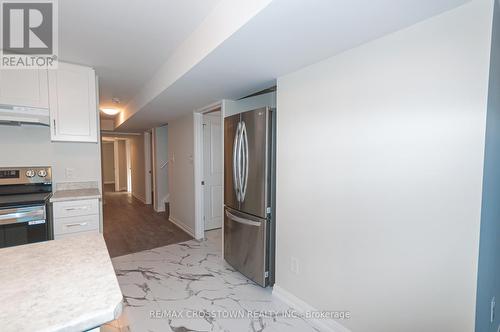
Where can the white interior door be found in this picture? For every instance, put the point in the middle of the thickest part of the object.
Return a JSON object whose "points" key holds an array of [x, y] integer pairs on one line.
{"points": [[212, 171]]}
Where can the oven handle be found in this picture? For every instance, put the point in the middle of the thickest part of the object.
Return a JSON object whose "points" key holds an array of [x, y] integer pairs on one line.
{"points": [[20, 215]]}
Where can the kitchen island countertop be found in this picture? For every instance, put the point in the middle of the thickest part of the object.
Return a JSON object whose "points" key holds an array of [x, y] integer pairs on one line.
{"points": [[61, 285]]}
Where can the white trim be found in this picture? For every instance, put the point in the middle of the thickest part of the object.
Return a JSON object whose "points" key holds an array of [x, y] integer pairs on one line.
{"points": [[129, 165], [302, 306], [109, 182], [99, 155], [153, 169], [116, 156], [139, 198], [198, 175], [147, 168], [198, 163], [181, 225], [159, 208], [107, 132]]}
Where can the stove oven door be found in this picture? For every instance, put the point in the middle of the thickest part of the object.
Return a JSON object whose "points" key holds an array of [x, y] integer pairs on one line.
{"points": [[23, 225]]}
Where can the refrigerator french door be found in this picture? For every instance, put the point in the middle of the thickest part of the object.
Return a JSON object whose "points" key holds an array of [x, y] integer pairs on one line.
{"points": [[249, 193]]}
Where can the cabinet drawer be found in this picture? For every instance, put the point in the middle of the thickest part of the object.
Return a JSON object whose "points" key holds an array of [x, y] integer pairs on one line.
{"points": [[76, 208], [76, 224]]}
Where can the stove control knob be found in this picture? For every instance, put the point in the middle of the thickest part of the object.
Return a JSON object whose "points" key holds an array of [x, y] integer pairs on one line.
{"points": [[30, 173], [42, 173]]}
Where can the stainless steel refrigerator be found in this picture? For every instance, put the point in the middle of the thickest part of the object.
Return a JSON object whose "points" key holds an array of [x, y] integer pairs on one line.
{"points": [[249, 193]]}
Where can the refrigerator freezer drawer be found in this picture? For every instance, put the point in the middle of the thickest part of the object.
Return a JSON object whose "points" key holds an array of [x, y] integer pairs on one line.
{"points": [[245, 244]]}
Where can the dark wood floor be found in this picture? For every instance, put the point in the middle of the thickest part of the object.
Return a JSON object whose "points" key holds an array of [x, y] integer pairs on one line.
{"points": [[131, 226]]}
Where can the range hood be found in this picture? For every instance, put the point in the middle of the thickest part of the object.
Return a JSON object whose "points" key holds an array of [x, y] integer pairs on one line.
{"points": [[18, 115]]}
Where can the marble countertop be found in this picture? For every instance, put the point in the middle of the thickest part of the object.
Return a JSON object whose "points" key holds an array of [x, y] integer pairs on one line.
{"points": [[61, 285], [75, 194]]}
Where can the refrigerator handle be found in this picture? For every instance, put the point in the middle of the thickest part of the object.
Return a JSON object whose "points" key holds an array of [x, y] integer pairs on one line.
{"points": [[236, 178], [241, 161], [242, 220], [246, 162]]}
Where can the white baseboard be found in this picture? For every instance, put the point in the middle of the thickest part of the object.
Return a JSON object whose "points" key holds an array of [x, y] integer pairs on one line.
{"points": [[181, 225], [109, 182], [142, 199], [160, 208], [302, 306]]}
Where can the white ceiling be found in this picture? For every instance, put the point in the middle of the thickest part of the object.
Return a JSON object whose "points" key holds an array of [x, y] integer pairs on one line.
{"points": [[125, 41], [128, 41], [283, 37]]}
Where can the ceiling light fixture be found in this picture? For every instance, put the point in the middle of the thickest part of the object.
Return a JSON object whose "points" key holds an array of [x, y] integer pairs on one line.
{"points": [[110, 111]]}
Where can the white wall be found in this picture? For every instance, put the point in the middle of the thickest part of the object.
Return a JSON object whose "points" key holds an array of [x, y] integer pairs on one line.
{"points": [[31, 146], [379, 176], [181, 172], [161, 147], [108, 162], [107, 124]]}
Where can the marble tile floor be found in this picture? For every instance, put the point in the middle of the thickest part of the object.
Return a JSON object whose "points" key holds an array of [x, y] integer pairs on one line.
{"points": [[188, 287]]}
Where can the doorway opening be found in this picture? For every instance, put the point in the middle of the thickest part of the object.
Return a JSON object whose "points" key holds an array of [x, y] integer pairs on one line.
{"points": [[130, 224], [116, 164]]}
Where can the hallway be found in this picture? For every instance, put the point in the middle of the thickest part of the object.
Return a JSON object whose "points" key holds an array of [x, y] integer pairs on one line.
{"points": [[130, 226]]}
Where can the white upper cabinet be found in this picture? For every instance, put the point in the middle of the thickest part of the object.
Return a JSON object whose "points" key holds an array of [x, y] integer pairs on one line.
{"points": [[73, 103], [24, 87]]}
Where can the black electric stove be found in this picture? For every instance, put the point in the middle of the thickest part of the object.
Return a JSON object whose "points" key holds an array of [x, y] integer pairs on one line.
{"points": [[24, 205]]}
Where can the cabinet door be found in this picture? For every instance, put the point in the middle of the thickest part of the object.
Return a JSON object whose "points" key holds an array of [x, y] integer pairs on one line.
{"points": [[73, 104], [24, 87]]}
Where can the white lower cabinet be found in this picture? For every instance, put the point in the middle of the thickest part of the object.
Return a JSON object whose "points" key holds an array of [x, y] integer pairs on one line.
{"points": [[76, 217]]}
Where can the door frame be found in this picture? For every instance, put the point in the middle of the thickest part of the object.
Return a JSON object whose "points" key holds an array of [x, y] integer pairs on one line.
{"points": [[152, 151], [128, 163], [116, 164], [148, 171], [199, 223]]}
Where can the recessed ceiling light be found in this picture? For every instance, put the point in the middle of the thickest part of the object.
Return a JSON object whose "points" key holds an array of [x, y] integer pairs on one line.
{"points": [[110, 111]]}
